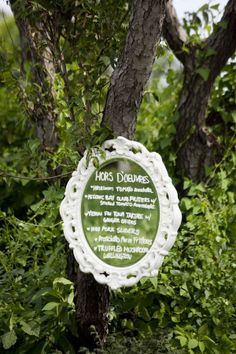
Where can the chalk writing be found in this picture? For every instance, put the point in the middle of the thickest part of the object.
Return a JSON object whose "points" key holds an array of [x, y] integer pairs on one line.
{"points": [[120, 212]]}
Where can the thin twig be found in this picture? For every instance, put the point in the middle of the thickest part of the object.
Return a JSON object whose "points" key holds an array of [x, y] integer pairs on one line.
{"points": [[7, 174]]}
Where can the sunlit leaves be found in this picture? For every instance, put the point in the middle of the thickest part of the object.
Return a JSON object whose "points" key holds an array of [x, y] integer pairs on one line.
{"points": [[8, 339], [204, 73]]}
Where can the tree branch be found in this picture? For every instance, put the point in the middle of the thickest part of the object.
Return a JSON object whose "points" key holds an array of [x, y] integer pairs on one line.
{"points": [[134, 66], [174, 33], [197, 147], [222, 41]]}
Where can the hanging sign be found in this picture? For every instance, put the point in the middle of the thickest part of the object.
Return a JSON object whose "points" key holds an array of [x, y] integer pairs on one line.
{"points": [[121, 217]]}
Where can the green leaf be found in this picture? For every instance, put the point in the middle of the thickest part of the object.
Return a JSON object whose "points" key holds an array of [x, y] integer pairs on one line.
{"points": [[175, 319], [192, 343], [70, 299], [204, 73], [205, 16], [215, 7], [40, 293], [153, 280], [223, 24], [185, 49], [95, 161], [203, 8], [9, 339], [156, 314], [202, 346], [183, 340], [155, 96], [203, 330], [143, 312], [187, 203], [50, 306], [128, 324], [63, 281], [187, 183], [11, 322], [210, 52], [184, 291], [209, 339], [30, 328], [234, 116], [143, 327]]}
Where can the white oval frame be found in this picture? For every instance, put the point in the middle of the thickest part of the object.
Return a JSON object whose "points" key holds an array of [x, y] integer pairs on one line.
{"points": [[170, 216]]}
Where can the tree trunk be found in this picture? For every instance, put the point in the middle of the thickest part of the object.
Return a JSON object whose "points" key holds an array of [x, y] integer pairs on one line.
{"points": [[196, 146], [92, 305], [40, 102], [134, 67], [92, 302], [123, 100], [91, 299]]}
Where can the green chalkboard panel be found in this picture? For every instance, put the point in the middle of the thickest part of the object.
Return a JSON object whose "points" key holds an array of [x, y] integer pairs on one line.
{"points": [[120, 212]]}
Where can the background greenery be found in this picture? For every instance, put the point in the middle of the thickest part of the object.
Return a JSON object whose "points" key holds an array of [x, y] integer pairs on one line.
{"points": [[190, 307]]}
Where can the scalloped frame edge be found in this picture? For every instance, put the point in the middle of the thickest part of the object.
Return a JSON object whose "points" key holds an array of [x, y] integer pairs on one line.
{"points": [[170, 216]]}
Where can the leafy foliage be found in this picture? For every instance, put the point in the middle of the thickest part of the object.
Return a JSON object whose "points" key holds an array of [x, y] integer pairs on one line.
{"points": [[84, 39], [190, 307]]}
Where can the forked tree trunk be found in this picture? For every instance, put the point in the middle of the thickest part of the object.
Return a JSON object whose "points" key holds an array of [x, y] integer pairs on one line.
{"points": [[196, 146]]}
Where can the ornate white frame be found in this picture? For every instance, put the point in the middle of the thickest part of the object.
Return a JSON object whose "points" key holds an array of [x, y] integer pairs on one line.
{"points": [[170, 216]]}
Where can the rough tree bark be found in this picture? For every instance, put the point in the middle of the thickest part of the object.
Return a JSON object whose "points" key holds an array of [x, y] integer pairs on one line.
{"points": [[40, 46], [123, 100], [40, 41], [195, 145], [39, 103], [134, 66]]}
